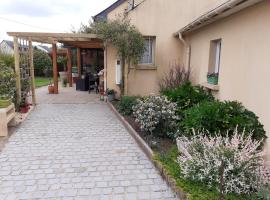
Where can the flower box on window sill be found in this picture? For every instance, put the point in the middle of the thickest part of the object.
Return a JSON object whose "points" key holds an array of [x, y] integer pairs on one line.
{"points": [[210, 86], [145, 67]]}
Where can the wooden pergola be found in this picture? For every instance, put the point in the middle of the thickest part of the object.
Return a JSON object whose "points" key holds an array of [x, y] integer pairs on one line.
{"points": [[72, 40]]}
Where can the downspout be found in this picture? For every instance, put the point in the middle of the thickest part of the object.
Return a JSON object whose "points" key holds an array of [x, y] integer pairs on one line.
{"points": [[187, 49]]}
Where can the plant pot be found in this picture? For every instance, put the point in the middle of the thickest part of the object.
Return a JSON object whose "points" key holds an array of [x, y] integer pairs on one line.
{"points": [[51, 89], [24, 109], [212, 80], [4, 103], [63, 76], [111, 97]]}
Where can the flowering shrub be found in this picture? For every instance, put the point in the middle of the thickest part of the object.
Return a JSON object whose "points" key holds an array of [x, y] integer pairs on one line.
{"points": [[7, 81], [233, 165], [155, 113]]}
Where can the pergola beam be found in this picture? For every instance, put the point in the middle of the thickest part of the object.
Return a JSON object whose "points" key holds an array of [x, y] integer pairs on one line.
{"points": [[55, 70], [69, 66], [17, 70], [32, 73]]}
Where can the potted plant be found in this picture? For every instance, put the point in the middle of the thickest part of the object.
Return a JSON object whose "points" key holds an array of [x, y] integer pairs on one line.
{"points": [[212, 78], [110, 94], [51, 88], [24, 107], [65, 82], [4, 102]]}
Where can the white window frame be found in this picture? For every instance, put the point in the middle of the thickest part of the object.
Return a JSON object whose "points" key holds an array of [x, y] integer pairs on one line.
{"points": [[152, 47], [217, 56]]}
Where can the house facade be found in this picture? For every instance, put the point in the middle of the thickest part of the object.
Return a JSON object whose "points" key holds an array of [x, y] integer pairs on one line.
{"points": [[228, 37], [7, 47]]}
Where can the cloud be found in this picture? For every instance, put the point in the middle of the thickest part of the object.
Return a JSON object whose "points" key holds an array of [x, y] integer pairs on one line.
{"points": [[38, 8]]}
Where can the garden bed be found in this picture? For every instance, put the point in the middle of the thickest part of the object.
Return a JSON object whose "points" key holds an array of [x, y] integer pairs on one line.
{"points": [[164, 157]]}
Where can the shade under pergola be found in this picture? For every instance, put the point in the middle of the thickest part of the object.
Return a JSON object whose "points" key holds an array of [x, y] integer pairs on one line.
{"points": [[77, 40]]}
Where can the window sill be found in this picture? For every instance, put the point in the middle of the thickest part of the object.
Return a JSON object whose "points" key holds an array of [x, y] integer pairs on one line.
{"points": [[145, 67], [210, 86]]}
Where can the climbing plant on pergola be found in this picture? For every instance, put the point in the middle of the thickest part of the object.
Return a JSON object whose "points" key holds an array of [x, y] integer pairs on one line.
{"points": [[24, 68]]}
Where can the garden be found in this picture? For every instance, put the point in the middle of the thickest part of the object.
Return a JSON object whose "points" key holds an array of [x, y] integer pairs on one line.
{"points": [[213, 149]]}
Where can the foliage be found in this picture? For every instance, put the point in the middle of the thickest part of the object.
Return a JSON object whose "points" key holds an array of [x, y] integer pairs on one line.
{"points": [[231, 164], [196, 190], [263, 193], [127, 40], [156, 114], [187, 96], [126, 104], [7, 81], [42, 63], [176, 77], [62, 60], [110, 92], [221, 117], [7, 59]]}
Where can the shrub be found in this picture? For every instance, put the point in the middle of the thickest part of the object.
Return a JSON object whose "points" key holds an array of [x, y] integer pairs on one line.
{"points": [[155, 114], [7, 59], [177, 76], [126, 104], [7, 81], [220, 117], [42, 63], [232, 165], [186, 96]]}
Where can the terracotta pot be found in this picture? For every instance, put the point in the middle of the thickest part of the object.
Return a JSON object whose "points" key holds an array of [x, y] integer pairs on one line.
{"points": [[51, 89], [24, 109]]}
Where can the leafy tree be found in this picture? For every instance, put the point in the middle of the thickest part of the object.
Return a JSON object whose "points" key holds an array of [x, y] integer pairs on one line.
{"points": [[128, 41], [42, 63]]}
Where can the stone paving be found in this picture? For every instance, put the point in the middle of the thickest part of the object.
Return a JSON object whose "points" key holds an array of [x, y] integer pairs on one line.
{"points": [[77, 151]]}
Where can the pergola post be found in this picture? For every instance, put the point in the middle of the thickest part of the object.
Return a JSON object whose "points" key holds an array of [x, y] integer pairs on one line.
{"points": [[79, 62], [69, 66], [32, 73], [55, 71], [17, 70]]}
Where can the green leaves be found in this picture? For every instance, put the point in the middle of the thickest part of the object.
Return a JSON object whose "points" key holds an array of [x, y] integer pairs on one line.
{"points": [[42, 62], [125, 37]]}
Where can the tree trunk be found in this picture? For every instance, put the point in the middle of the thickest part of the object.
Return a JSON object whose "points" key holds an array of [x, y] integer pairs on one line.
{"points": [[123, 65]]}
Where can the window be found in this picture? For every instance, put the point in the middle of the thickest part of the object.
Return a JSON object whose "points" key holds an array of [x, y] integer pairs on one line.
{"points": [[214, 60], [148, 56]]}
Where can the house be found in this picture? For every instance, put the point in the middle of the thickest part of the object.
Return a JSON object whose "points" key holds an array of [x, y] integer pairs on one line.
{"points": [[7, 46], [228, 37]]}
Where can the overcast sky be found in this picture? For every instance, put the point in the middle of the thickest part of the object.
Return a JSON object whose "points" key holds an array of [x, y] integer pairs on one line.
{"points": [[47, 15]]}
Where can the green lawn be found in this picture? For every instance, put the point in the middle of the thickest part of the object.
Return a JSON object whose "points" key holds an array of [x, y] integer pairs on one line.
{"points": [[42, 81]]}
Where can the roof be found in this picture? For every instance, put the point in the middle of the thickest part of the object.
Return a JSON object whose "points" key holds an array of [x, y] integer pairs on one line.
{"points": [[103, 14], [11, 44], [226, 9], [71, 39], [44, 48]]}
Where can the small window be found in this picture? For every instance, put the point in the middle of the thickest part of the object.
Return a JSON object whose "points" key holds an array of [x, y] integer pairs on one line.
{"points": [[148, 56], [214, 60]]}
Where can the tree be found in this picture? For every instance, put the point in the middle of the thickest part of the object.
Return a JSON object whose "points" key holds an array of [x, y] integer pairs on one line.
{"points": [[42, 63], [128, 41]]}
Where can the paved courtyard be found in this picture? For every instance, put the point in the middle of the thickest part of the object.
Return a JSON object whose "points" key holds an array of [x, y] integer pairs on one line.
{"points": [[73, 147]]}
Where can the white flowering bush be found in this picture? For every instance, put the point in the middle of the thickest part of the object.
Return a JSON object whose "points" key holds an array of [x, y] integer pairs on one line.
{"points": [[233, 165], [155, 114]]}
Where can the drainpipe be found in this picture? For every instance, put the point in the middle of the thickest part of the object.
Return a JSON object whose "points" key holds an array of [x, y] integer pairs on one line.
{"points": [[105, 66], [188, 50]]}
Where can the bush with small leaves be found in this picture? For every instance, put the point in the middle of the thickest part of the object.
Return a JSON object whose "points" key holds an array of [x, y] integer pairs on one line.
{"points": [[221, 117], [229, 164], [126, 104], [156, 114]]}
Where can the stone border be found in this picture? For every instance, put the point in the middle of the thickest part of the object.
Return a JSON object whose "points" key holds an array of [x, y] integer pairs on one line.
{"points": [[150, 154]]}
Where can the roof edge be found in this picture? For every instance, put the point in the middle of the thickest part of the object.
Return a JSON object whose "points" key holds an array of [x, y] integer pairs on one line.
{"points": [[224, 10]]}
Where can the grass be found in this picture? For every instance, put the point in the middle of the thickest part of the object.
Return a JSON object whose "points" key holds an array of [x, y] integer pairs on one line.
{"points": [[42, 81], [196, 191]]}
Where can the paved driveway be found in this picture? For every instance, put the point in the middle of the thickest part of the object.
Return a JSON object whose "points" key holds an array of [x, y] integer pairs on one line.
{"points": [[76, 150]]}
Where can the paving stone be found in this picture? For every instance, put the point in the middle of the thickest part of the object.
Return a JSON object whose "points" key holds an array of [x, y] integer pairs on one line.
{"points": [[77, 150]]}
